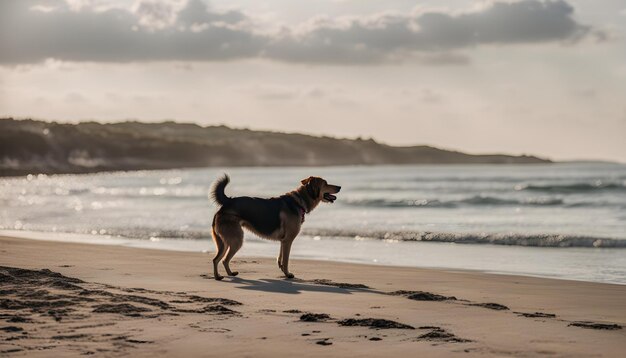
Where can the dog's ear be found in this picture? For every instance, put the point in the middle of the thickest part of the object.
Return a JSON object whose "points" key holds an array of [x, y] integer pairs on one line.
{"points": [[312, 185], [312, 189]]}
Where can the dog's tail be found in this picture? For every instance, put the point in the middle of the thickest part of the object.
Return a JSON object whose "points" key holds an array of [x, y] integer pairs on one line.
{"points": [[217, 192]]}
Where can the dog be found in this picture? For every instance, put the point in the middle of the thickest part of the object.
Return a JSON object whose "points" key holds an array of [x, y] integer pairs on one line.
{"points": [[279, 218]]}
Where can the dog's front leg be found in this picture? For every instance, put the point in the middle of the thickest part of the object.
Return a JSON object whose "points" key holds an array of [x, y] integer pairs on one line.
{"points": [[279, 259], [285, 249]]}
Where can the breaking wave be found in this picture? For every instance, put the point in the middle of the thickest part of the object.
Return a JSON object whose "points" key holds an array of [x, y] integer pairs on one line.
{"points": [[474, 200], [511, 239], [573, 188]]}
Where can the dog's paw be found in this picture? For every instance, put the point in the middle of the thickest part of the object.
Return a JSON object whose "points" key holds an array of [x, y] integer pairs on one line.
{"points": [[219, 277], [289, 275], [234, 273]]}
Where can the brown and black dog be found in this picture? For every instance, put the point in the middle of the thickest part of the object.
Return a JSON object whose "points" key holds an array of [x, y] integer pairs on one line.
{"points": [[277, 219]]}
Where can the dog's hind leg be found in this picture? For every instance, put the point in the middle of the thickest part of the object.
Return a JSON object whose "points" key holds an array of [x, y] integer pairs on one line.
{"points": [[234, 244], [221, 250]]}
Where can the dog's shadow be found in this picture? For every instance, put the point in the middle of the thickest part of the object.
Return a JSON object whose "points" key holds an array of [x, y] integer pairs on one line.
{"points": [[290, 286]]}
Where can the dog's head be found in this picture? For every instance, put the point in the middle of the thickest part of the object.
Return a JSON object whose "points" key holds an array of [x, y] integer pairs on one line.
{"points": [[319, 189]]}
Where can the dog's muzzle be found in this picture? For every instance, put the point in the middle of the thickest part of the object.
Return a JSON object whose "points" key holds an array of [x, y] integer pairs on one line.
{"points": [[330, 198]]}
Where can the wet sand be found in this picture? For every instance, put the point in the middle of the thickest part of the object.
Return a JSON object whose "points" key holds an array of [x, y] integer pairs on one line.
{"points": [[75, 299]]}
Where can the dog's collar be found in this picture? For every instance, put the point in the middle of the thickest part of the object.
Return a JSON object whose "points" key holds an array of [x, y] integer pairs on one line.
{"points": [[301, 210]]}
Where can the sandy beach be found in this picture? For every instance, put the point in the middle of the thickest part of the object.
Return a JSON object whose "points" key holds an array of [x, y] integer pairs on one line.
{"points": [[439, 179], [66, 299]]}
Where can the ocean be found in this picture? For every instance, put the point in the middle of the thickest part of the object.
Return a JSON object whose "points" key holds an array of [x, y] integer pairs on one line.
{"points": [[565, 220]]}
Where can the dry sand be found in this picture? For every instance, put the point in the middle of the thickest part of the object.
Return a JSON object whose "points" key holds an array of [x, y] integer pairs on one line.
{"points": [[62, 299]]}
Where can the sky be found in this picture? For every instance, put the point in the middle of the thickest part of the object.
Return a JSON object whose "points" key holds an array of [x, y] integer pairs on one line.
{"points": [[546, 78]]}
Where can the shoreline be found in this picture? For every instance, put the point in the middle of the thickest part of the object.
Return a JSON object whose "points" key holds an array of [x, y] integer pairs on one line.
{"points": [[505, 260], [120, 300]]}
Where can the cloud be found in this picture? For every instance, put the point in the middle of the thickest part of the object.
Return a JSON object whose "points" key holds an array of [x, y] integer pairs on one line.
{"points": [[114, 35], [388, 35], [155, 14], [162, 31], [272, 93], [282, 93], [443, 59], [75, 97], [197, 12]]}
